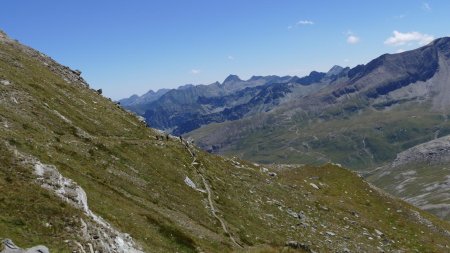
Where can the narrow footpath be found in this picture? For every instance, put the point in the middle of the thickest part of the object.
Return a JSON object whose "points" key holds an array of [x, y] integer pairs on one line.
{"points": [[210, 194]]}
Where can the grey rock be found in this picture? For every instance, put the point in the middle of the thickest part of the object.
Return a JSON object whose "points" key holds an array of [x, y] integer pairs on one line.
{"points": [[5, 82], [345, 250], [77, 72], [313, 185], [301, 215], [330, 233], [10, 247], [298, 245]]}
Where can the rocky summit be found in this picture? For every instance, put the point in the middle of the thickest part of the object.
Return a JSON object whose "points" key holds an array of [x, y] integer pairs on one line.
{"points": [[79, 173]]}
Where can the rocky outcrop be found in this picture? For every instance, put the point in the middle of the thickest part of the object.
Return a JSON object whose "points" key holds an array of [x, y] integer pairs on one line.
{"points": [[10, 247], [433, 152], [96, 232]]}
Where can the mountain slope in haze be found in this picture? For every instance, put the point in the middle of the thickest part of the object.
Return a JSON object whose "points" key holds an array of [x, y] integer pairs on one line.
{"points": [[362, 118], [79, 172], [187, 108], [420, 175], [148, 97]]}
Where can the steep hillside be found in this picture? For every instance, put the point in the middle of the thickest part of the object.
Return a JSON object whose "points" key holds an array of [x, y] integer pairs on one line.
{"points": [[78, 174]]}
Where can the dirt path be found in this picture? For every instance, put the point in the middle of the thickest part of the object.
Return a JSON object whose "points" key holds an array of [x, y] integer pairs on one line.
{"points": [[210, 198], [213, 210]]}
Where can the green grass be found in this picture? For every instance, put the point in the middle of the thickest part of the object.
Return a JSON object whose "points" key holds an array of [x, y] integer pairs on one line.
{"points": [[360, 140]]}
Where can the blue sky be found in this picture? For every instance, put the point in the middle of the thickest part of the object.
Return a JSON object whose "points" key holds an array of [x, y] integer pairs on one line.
{"points": [[128, 47]]}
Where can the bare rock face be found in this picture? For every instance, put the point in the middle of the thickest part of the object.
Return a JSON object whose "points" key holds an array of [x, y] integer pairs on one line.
{"points": [[9, 247], [106, 238], [432, 152]]}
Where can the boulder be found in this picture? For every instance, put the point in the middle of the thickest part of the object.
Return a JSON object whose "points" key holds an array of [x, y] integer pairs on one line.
{"points": [[5, 82]]}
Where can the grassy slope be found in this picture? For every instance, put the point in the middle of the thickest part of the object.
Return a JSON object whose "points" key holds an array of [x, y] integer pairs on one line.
{"points": [[420, 183], [136, 182], [357, 140]]}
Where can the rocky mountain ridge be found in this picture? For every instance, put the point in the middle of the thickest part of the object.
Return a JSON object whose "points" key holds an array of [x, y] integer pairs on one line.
{"points": [[185, 109]]}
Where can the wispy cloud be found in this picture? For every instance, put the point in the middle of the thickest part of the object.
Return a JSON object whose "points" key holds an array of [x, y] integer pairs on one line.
{"points": [[301, 23], [426, 6], [230, 57], [352, 38], [195, 71], [399, 38], [305, 22]]}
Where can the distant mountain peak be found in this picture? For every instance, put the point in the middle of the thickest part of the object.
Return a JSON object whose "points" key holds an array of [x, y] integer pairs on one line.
{"points": [[186, 86], [254, 78], [313, 77], [335, 70], [232, 78], [145, 98]]}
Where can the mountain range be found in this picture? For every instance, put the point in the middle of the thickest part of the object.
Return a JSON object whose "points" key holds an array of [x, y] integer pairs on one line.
{"points": [[386, 81], [191, 106], [78, 173]]}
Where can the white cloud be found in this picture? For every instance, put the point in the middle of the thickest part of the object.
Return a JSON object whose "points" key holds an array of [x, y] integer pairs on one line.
{"points": [[400, 50], [230, 57], [305, 22], [352, 39], [399, 38], [426, 6], [301, 23], [195, 71]]}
